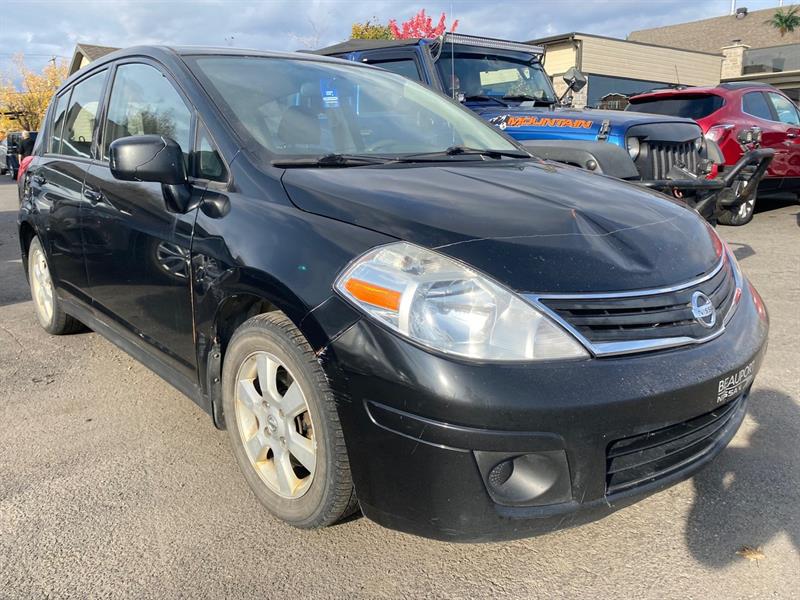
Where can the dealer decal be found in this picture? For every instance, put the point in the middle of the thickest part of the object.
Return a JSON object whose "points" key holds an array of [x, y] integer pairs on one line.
{"points": [[504, 121], [733, 385]]}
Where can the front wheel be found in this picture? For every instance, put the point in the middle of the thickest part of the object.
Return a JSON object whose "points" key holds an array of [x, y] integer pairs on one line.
{"points": [[283, 424], [741, 215]]}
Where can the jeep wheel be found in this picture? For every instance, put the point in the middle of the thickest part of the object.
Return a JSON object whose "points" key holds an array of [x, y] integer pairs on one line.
{"points": [[741, 215], [51, 316], [283, 424]]}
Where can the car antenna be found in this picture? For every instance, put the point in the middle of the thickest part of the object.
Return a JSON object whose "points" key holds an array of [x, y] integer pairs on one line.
{"points": [[677, 77]]}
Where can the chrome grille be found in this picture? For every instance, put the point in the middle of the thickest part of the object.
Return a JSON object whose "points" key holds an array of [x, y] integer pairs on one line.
{"points": [[639, 321]]}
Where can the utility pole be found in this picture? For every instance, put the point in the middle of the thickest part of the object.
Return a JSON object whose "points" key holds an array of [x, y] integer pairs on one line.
{"points": [[733, 7]]}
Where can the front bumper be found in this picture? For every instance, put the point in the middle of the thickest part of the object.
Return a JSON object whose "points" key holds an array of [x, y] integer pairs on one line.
{"points": [[711, 196], [419, 427]]}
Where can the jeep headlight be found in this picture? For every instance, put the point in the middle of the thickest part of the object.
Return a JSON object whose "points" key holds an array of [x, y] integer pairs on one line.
{"points": [[633, 147], [699, 143], [444, 305]]}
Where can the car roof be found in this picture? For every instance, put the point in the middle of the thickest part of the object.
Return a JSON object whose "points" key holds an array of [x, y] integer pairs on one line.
{"points": [[717, 90], [165, 53], [358, 45]]}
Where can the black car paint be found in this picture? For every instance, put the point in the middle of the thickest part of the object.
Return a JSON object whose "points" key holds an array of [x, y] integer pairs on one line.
{"points": [[270, 238]]}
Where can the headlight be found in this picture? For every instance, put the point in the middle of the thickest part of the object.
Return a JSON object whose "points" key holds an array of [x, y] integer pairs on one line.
{"points": [[633, 147], [446, 306], [699, 143]]}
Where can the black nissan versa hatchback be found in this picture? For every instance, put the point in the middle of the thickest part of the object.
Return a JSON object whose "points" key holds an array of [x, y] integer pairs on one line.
{"points": [[387, 302]]}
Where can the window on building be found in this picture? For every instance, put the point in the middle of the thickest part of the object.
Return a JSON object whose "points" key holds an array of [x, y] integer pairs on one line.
{"points": [[78, 132], [601, 86], [787, 113], [754, 103], [143, 102]]}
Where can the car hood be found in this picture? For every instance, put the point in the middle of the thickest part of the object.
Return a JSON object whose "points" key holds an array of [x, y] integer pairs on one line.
{"points": [[534, 226], [567, 123]]}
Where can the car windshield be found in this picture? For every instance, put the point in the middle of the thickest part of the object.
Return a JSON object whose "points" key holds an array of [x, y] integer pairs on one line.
{"points": [[477, 72], [691, 107], [309, 108]]}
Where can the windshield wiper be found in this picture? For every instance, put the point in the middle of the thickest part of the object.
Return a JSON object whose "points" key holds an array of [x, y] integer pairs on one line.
{"points": [[484, 98], [528, 98], [331, 160], [463, 151]]}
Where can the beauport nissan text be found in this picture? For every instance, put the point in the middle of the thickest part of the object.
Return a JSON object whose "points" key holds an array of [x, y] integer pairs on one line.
{"points": [[388, 303]]}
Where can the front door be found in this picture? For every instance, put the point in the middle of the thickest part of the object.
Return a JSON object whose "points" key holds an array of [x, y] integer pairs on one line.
{"points": [[137, 252]]}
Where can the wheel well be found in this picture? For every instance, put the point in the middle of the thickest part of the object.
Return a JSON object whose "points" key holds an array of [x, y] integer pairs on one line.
{"points": [[234, 311], [26, 235]]}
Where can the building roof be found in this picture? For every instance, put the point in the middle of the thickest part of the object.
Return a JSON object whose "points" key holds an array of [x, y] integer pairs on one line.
{"points": [[88, 52], [710, 35]]}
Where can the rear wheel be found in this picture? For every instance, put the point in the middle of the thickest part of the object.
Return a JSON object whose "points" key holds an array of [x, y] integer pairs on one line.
{"points": [[283, 424], [740, 215], [51, 315]]}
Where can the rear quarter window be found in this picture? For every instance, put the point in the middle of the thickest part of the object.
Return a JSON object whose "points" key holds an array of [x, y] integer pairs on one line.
{"points": [[755, 104], [690, 107]]}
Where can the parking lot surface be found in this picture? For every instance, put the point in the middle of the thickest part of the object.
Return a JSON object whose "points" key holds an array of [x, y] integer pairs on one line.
{"points": [[113, 484]]}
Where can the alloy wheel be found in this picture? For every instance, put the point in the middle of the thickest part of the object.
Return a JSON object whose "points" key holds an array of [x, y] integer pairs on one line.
{"points": [[42, 285], [275, 426]]}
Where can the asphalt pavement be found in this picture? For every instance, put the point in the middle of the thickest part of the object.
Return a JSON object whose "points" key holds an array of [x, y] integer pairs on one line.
{"points": [[113, 484]]}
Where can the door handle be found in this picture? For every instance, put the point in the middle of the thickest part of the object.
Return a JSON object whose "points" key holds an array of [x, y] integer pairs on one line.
{"points": [[93, 196], [791, 135]]}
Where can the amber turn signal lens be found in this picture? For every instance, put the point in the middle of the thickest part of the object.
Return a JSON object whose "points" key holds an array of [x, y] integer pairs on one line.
{"points": [[374, 294]]}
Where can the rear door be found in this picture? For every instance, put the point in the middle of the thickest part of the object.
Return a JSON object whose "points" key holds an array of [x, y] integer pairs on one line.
{"points": [[785, 114], [757, 105], [137, 252], [56, 179]]}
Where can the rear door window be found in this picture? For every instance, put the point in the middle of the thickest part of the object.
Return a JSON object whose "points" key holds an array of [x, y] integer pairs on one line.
{"points": [[690, 107], [79, 126], [54, 137], [144, 102], [755, 104], [784, 108]]}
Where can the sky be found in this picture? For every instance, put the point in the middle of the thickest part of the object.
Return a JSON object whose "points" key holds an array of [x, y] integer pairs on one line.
{"points": [[42, 29]]}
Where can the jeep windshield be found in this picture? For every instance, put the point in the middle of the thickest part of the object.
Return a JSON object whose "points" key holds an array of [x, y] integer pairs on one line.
{"points": [[323, 113], [482, 74]]}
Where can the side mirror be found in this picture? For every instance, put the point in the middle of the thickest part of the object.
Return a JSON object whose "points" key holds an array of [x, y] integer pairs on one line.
{"points": [[147, 158], [157, 159], [574, 79]]}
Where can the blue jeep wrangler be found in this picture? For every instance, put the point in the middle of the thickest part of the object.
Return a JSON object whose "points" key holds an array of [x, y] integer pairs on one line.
{"points": [[504, 82]]}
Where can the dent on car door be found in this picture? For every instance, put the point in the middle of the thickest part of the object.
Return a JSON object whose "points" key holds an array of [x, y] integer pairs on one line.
{"points": [[57, 180], [137, 251]]}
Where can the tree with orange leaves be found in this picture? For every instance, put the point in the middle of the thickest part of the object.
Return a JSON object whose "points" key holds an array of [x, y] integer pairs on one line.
{"points": [[22, 106]]}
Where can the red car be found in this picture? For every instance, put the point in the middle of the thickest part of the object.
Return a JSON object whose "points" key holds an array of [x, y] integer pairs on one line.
{"points": [[724, 112]]}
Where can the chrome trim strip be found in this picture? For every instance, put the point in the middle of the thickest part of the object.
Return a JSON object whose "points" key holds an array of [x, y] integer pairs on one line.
{"points": [[607, 349], [634, 293]]}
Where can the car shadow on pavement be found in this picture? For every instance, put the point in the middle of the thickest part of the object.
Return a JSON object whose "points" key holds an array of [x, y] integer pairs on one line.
{"points": [[741, 251], [748, 495]]}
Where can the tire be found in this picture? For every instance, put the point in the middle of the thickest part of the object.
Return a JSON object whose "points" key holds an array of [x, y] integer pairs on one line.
{"points": [[739, 216], [293, 416], [48, 307]]}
